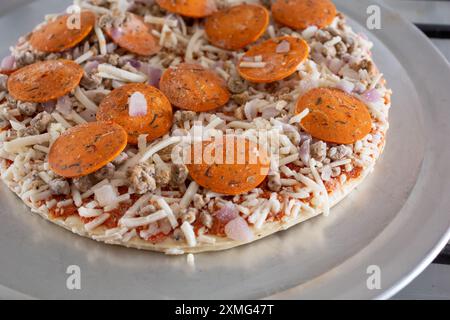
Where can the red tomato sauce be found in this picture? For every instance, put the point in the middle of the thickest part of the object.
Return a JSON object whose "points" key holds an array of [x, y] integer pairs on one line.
{"points": [[355, 173]]}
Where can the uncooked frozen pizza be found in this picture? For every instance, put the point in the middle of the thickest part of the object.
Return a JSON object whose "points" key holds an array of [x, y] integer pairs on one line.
{"points": [[184, 126]]}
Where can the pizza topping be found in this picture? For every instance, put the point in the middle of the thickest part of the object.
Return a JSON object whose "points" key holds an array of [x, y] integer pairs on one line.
{"points": [[319, 151], [227, 213], [178, 174], [155, 122], [107, 172], [85, 148], [63, 33], [238, 229], [142, 178], [189, 234], [97, 222], [45, 81], [137, 105], [192, 87], [108, 71], [334, 116], [83, 184], [189, 8], [231, 165], [371, 96], [27, 108], [274, 182], [274, 65], [3, 82], [134, 35], [301, 14], [236, 27], [18, 144], [303, 169], [283, 47], [59, 187], [7, 63], [339, 152], [106, 195]]}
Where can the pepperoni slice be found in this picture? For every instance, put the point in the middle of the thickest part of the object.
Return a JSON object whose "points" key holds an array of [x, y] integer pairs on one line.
{"points": [[45, 80], [135, 36], [279, 57], [189, 8], [86, 148], [300, 14], [231, 165], [155, 123], [62, 33], [236, 27], [334, 116], [192, 87]]}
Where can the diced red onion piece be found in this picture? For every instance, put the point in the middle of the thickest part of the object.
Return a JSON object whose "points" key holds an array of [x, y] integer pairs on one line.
{"points": [[91, 66], [49, 106], [335, 65], [153, 74], [359, 88], [227, 213], [155, 77], [135, 63], [88, 115], [8, 63], [238, 229], [137, 105], [116, 33], [283, 47], [105, 195], [371, 96], [64, 105]]}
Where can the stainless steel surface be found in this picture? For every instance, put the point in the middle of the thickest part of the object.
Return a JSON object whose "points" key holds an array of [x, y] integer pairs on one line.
{"points": [[426, 12], [421, 11], [432, 284], [398, 219]]}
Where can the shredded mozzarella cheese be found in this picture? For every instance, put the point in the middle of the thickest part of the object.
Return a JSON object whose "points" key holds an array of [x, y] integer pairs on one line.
{"points": [[189, 234], [84, 100], [101, 40], [120, 74], [143, 221], [97, 222], [17, 144]]}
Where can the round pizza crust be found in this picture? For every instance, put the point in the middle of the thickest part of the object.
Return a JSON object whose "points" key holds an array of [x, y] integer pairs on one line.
{"points": [[75, 224]]}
